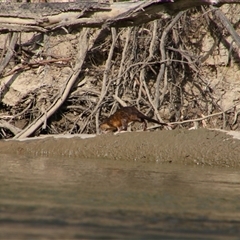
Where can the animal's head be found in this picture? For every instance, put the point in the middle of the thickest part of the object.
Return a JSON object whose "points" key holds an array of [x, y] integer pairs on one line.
{"points": [[105, 128]]}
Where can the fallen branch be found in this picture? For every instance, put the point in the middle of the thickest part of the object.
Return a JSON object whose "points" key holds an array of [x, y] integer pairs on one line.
{"points": [[30, 129], [105, 85], [120, 101], [26, 66], [227, 24], [17, 115], [10, 52], [160, 75], [196, 119], [44, 17], [10, 127]]}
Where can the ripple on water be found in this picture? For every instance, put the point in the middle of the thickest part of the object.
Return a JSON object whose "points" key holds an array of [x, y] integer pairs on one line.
{"points": [[62, 198]]}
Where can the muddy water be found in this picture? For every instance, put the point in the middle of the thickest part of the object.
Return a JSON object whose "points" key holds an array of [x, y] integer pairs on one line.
{"points": [[52, 198]]}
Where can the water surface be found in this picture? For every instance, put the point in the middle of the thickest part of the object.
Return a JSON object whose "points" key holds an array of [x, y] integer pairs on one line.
{"points": [[62, 198]]}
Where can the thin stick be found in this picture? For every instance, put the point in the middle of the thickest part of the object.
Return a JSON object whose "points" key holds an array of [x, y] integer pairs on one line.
{"points": [[227, 24], [64, 93], [163, 58], [105, 86], [7, 125], [123, 60], [17, 115], [10, 52], [119, 100], [150, 100], [198, 119], [35, 64]]}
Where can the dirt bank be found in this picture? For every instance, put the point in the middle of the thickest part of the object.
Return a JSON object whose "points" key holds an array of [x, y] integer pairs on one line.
{"points": [[203, 147], [171, 69]]}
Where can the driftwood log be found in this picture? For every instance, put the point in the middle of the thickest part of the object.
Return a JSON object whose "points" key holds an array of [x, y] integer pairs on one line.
{"points": [[43, 17]]}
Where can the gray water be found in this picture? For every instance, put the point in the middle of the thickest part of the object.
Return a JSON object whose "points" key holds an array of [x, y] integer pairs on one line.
{"points": [[47, 198]]}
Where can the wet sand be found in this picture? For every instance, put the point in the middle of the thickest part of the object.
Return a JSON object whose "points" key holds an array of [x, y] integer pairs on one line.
{"points": [[197, 147]]}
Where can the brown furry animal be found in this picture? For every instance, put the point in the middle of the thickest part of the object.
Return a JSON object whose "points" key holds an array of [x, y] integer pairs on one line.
{"points": [[122, 117]]}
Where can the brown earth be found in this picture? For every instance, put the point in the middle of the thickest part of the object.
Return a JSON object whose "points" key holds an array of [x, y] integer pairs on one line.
{"points": [[201, 147], [201, 80]]}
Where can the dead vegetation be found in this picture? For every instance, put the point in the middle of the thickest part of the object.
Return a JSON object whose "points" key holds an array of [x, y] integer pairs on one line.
{"points": [[68, 81]]}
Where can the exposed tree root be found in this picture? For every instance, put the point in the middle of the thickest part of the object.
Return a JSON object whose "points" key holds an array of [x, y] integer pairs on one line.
{"points": [[158, 67]]}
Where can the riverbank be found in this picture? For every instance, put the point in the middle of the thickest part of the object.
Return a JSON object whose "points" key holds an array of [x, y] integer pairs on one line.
{"points": [[198, 147]]}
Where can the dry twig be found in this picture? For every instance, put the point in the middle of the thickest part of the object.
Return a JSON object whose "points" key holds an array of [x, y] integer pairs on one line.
{"points": [[10, 51], [65, 91], [105, 84], [198, 119]]}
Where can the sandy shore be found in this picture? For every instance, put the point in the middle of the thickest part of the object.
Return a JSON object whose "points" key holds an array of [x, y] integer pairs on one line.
{"points": [[202, 147]]}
